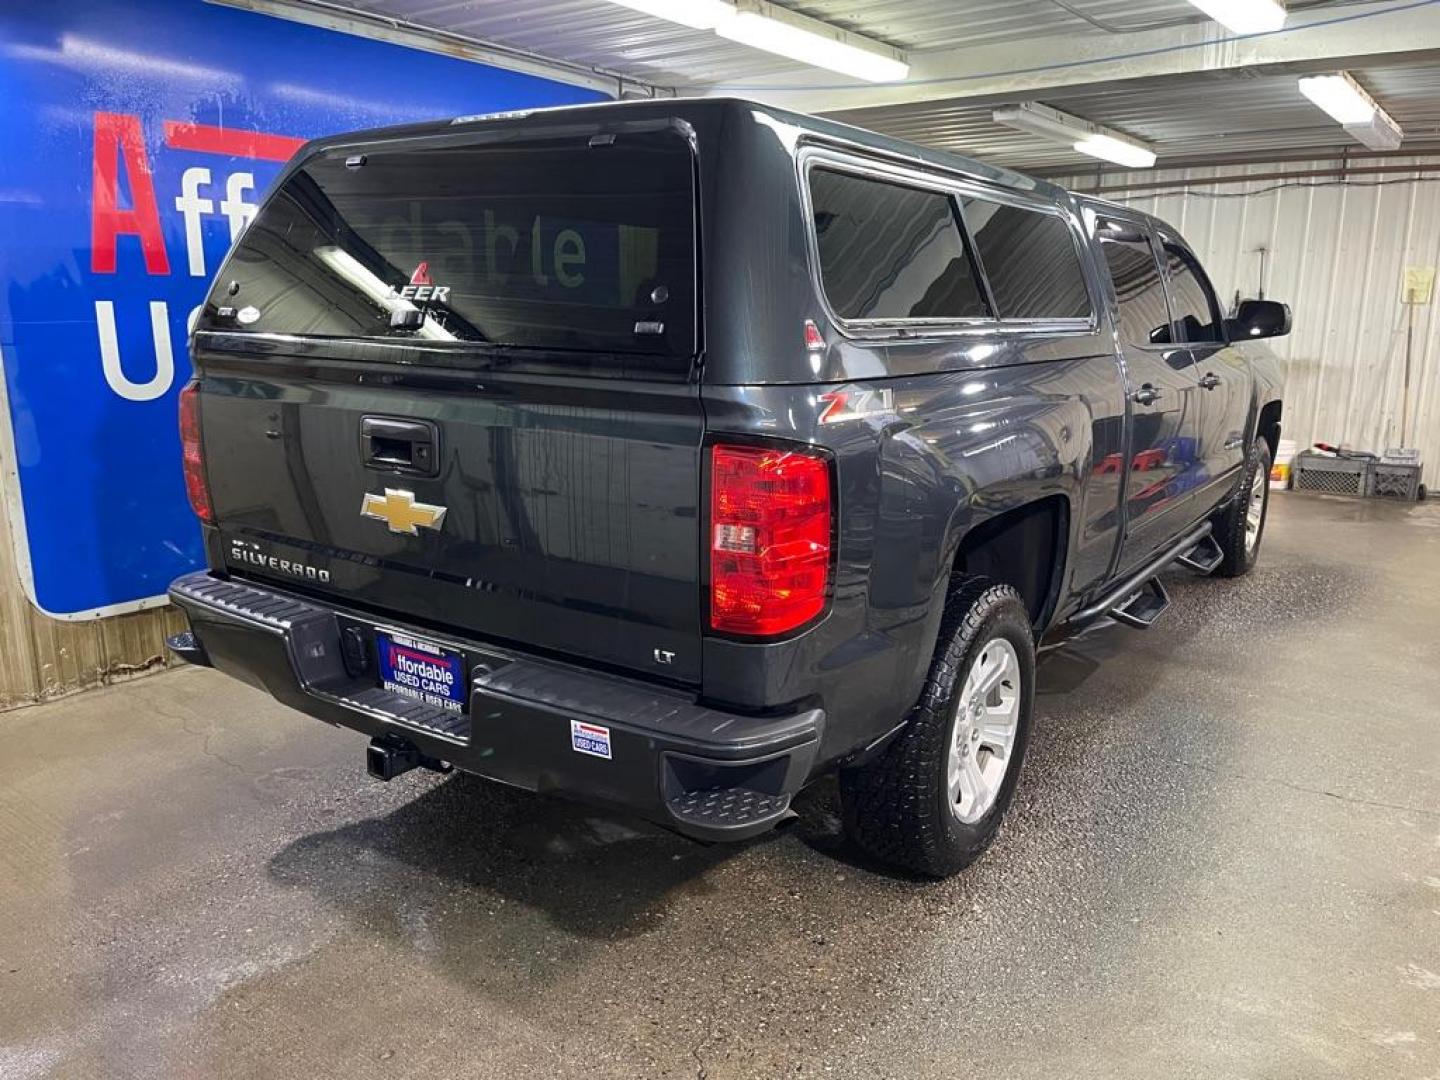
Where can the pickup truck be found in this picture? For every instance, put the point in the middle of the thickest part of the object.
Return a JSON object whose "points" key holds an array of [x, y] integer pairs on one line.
{"points": [[671, 454]]}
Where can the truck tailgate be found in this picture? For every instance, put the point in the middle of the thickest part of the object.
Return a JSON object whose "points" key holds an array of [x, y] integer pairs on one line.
{"points": [[570, 508]]}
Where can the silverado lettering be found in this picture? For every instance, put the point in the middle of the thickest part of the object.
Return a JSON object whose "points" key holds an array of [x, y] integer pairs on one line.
{"points": [[241, 553]]}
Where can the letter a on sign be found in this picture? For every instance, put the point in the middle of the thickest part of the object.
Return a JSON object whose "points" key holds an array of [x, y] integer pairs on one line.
{"points": [[117, 137]]}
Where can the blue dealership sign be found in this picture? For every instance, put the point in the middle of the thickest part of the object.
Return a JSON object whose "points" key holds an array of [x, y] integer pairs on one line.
{"points": [[138, 137]]}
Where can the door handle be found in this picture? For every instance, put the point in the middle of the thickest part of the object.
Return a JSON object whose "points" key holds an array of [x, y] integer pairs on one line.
{"points": [[1210, 380], [1146, 395], [400, 446]]}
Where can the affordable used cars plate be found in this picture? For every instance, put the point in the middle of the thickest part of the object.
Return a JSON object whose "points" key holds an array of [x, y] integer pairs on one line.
{"points": [[422, 670]]}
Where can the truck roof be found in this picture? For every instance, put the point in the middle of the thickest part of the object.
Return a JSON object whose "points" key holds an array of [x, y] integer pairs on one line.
{"points": [[685, 107]]}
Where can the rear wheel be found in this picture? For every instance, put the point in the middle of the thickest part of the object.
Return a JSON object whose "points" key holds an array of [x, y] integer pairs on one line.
{"points": [[932, 801], [1241, 526]]}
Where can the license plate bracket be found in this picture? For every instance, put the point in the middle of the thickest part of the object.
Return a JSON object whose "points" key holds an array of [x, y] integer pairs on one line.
{"points": [[422, 671]]}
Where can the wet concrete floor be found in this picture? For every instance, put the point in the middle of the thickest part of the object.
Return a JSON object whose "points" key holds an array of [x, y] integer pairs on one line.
{"points": [[1223, 861]]}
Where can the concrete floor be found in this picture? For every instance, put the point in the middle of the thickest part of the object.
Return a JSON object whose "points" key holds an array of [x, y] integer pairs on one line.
{"points": [[1223, 861]]}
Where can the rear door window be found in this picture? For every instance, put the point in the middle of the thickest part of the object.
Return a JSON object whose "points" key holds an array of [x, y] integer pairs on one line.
{"points": [[889, 250], [546, 244], [1030, 260]]}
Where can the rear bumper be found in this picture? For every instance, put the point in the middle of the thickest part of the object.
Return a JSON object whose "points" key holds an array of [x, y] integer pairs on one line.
{"points": [[708, 774]]}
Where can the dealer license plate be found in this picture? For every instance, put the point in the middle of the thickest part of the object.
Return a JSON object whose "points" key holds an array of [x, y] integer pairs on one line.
{"points": [[422, 670]]}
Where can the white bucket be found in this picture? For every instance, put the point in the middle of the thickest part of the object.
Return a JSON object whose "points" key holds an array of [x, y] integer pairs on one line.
{"points": [[1280, 467]]}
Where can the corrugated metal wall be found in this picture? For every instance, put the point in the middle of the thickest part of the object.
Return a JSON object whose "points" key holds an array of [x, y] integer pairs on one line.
{"points": [[43, 658], [1336, 252]]}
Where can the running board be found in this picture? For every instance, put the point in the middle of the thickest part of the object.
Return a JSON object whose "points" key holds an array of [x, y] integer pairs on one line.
{"points": [[1146, 605], [1123, 597], [1204, 557]]}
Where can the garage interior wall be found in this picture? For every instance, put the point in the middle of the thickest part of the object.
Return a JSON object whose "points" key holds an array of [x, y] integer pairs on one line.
{"points": [[1336, 252], [43, 658]]}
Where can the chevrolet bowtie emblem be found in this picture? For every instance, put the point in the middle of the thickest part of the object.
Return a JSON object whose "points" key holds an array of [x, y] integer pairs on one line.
{"points": [[399, 510]]}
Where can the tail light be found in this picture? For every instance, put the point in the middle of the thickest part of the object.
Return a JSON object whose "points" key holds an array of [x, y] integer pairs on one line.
{"points": [[194, 461], [770, 514]]}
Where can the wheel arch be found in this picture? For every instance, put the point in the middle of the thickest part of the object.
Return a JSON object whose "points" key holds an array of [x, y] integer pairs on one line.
{"points": [[1024, 547], [1267, 425]]}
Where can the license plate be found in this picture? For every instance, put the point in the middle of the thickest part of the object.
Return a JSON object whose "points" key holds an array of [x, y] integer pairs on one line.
{"points": [[423, 671]]}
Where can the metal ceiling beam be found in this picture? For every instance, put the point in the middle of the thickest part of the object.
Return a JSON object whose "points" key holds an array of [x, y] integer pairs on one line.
{"points": [[1413, 170], [1343, 156], [334, 15], [1335, 37]]}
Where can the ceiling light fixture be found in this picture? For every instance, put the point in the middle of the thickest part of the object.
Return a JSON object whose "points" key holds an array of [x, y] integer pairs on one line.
{"points": [[1346, 101], [1245, 16], [696, 14], [762, 25], [1088, 138], [1340, 96], [1120, 151]]}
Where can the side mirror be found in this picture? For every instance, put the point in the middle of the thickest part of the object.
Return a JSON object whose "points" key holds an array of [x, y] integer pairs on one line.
{"points": [[1259, 319]]}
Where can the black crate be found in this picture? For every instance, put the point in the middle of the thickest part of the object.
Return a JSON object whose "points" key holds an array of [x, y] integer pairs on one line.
{"points": [[1330, 475], [1390, 481]]}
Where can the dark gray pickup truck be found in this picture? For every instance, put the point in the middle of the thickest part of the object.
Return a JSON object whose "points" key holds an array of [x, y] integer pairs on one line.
{"points": [[671, 454]]}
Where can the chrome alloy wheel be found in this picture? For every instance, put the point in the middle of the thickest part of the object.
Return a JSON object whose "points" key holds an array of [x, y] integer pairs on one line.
{"points": [[987, 717], [1255, 510]]}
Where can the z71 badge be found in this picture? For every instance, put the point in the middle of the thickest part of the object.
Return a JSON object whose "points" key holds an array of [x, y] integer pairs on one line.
{"points": [[855, 403]]}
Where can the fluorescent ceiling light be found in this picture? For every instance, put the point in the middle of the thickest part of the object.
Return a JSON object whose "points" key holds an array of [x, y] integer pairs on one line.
{"points": [[1084, 136], [1346, 101], [1120, 151], [384, 296], [762, 25], [1340, 96], [696, 14], [1245, 16]]}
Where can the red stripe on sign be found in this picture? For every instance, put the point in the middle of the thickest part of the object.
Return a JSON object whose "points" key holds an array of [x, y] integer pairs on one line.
{"points": [[235, 142], [439, 661]]}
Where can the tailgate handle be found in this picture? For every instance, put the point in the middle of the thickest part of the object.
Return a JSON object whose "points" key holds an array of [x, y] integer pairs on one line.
{"points": [[411, 447]]}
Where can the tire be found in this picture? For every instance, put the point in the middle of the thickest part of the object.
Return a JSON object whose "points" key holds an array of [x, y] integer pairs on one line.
{"points": [[899, 807], [1231, 530]]}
